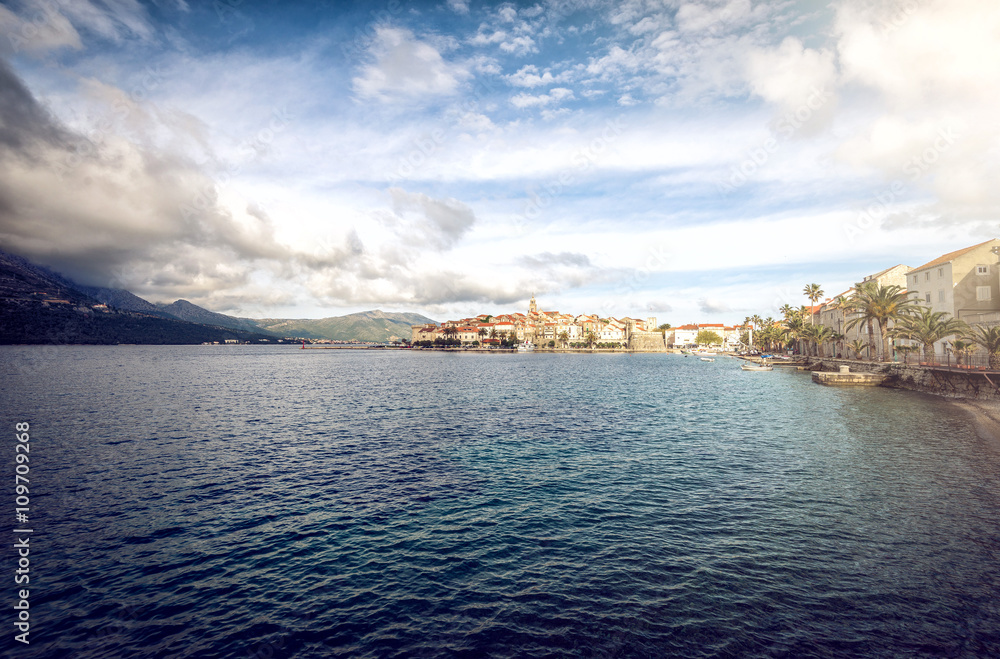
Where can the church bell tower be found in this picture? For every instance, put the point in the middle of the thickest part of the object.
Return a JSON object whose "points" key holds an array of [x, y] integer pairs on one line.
{"points": [[532, 306]]}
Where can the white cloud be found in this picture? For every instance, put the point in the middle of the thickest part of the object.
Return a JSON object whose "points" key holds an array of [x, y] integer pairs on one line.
{"points": [[406, 68], [507, 14], [555, 95], [520, 46], [789, 74], [529, 76], [459, 6], [485, 37]]}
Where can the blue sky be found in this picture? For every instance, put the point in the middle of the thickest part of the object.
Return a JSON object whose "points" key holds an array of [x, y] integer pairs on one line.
{"points": [[696, 160]]}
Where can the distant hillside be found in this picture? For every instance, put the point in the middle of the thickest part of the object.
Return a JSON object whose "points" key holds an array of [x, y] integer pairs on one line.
{"points": [[38, 305], [21, 279], [125, 300], [193, 313], [374, 325]]}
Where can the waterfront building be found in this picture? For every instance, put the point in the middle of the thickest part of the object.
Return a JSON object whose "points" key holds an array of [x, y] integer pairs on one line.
{"points": [[829, 314], [964, 283]]}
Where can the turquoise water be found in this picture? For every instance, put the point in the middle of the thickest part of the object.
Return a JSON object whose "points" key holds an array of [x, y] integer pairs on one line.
{"points": [[272, 502]]}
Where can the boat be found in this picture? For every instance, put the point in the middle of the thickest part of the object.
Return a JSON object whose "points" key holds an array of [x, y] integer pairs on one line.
{"points": [[756, 367], [527, 346], [708, 359]]}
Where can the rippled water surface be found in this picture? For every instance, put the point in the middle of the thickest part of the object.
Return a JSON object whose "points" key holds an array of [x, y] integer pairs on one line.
{"points": [[272, 502]]}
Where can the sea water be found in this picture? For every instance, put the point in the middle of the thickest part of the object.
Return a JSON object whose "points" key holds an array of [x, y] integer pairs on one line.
{"points": [[237, 501]]}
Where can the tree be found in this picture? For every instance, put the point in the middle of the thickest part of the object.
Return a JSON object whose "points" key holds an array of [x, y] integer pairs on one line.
{"points": [[906, 350], [962, 349], [564, 338], [873, 303], [928, 327], [989, 339], [795, 326], [663, 328], [857, 345], [814, 293], [707, 338], [837, 340], [818, 334]]}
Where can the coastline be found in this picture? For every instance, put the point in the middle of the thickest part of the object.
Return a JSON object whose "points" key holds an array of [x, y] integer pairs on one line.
{"points": [[985, 417]]}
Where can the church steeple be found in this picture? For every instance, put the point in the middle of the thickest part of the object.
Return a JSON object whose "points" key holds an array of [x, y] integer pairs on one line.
{"points": [[532, 306]]}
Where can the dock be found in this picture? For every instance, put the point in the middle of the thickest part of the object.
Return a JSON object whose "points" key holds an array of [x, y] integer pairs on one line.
{"points": [[844, 377]]}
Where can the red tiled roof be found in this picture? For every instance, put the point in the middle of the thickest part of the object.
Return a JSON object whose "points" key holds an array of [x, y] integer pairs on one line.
{"points": [[951, 256]]}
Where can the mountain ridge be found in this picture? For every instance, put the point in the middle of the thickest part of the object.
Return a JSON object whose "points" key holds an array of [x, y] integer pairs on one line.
{"points": [[43, 299]]}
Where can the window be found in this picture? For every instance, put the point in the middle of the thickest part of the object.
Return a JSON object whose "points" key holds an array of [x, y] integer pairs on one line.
{"points": [[927, 298], [927, 276], [940, 296], [983, 293], [940, 272], [982, 269], [914, 280]]}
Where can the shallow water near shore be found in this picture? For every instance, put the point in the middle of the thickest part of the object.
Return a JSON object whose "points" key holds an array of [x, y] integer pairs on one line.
{"points": [[235, 501]]}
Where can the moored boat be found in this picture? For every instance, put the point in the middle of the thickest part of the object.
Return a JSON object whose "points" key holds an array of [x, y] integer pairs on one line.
{"points": [[756, 367]]}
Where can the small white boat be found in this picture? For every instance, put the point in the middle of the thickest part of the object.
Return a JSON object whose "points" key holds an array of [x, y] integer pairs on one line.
{"points": [[756, 367], [708, 359], [527, 346]]}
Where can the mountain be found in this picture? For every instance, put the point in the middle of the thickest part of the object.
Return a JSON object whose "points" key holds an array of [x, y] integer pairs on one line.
{"points": [[374, 325], [125, 300], [193, 313], [38, 305], [21, 279]]}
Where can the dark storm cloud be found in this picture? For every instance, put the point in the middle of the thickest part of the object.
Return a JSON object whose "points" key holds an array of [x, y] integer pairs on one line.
{"points": [[23, 121]]}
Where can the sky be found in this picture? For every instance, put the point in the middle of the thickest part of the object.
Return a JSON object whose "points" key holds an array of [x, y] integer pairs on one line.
{"points": [[692, 160]]}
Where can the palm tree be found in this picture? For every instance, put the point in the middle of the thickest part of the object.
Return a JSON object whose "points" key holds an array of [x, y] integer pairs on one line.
{"points": [[843, 305], [838, 340], [786, 310], [962, 349], [989, 339], [796, 327], [816, 334], [482, 334], [906, 350], [814, 292], [874, 303], [564, 338], [928, 327], [857, 345], [821, 334]]}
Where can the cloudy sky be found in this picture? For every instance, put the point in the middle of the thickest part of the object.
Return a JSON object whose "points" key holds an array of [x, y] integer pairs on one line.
{"points": [[696, 160]]}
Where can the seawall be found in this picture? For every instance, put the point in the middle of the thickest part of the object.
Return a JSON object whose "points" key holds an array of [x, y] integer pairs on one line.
{"points": [[969, 384]]}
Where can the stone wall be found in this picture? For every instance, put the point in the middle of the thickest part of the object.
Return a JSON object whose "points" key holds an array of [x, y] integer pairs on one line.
{"points": [[647, 342], [956, 383]]}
